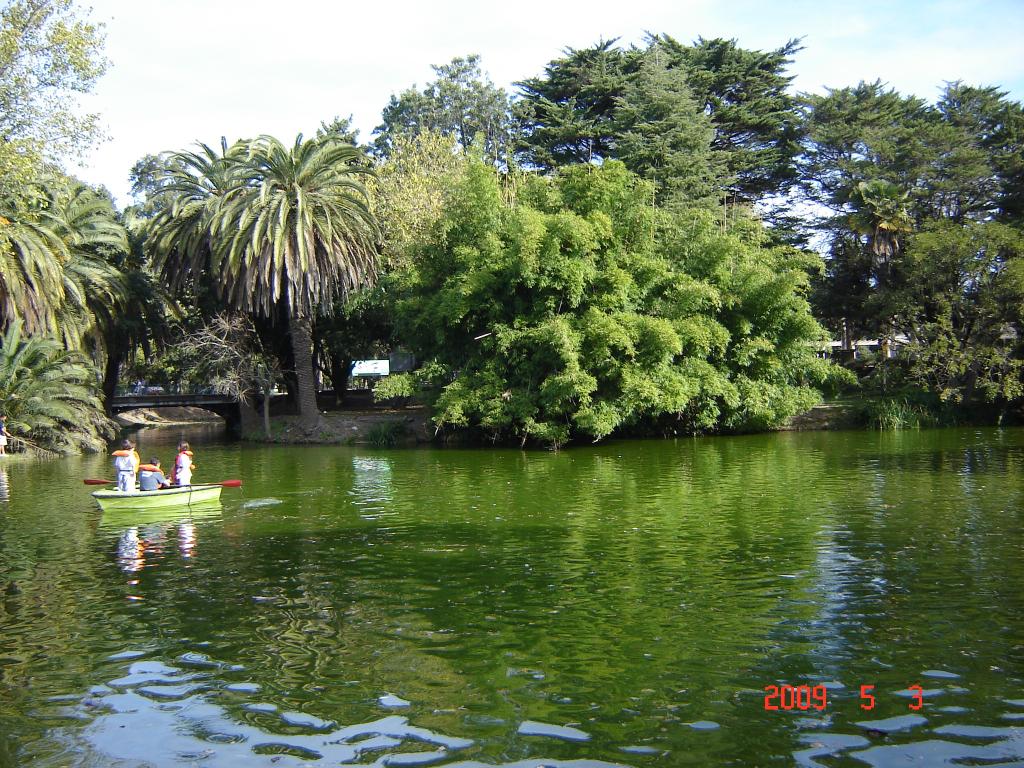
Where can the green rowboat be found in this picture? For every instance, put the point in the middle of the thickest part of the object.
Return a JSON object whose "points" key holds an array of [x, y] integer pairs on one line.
{"points": [[186, 496]]}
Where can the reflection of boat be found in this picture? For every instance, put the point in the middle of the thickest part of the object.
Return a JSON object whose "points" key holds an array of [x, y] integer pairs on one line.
{"points": [[188, 496], [124, 517], [137, 543]]}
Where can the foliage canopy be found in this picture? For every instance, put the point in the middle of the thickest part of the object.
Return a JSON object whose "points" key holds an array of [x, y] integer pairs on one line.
{"points": [[576, 308], [48, 395], [48, 55]]}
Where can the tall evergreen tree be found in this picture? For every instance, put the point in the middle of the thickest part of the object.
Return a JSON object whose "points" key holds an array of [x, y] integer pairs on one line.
{"points": [[746, 95], [663, 135], [573, 112], [567, 115]]}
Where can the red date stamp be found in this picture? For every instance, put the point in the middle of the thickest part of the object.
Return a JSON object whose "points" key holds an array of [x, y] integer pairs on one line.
{"points": [[805, 697]]}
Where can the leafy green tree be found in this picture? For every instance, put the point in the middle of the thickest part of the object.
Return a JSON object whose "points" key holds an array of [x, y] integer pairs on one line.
{"points": [[884, 167], [461, 103], [577, 309], [410, 191], [746, 95], [48, 56], [280, 230], [48, 395], [963, 306], [411, 187], [924, 235], [869, 150]]}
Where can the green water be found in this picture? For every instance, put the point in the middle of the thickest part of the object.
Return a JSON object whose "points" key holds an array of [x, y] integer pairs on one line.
{"points": [[624, 604]]}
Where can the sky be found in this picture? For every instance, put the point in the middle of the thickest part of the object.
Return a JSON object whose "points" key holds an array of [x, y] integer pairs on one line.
{"points": [[183, 71]]}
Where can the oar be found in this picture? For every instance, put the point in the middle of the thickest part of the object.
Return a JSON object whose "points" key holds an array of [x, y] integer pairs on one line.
{"points": [[225, 483]]}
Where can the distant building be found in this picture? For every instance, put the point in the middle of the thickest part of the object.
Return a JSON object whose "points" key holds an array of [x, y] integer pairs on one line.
{"points": [[861, 346]]}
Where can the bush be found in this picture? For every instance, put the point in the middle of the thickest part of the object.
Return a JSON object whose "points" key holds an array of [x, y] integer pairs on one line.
{"points": [[576, 310], [908, 411], [386, 434]]}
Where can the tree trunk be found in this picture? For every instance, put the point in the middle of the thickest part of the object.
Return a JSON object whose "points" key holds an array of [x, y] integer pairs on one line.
{"points": [[248, 418], [267, 395], [111, 373], [300, 332]]}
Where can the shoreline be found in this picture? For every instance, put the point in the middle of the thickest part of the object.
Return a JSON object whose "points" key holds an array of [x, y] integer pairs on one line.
{"points": [[411, 426]]}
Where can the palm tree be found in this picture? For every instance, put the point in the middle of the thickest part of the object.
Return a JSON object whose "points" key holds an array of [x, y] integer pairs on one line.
{"points": [[48, 394], [31, 277], [144, 317], [55, 273], [192, 187], [305, 235], [94, 289], [279, 229], [883, 216]]}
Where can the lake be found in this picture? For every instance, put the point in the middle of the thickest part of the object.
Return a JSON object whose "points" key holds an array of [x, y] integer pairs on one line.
{"points": [[833, 599]]}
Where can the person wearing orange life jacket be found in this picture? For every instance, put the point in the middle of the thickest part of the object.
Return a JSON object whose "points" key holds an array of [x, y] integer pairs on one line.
{"points": [[181, 473], [151, 477], [126, 462]]}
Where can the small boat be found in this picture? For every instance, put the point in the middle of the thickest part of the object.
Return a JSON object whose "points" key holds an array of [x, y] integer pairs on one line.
{"points": [[186, 496]]}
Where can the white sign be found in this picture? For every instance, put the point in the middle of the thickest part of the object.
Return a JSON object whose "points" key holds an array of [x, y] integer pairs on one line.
{"points": [[371, 368]]}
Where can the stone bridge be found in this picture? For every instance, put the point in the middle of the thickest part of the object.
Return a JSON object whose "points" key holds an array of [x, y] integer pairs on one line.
{"points": [[226, 406]]}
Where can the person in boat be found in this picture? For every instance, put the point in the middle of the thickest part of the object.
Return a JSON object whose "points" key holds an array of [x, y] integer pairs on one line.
{"points": [[151, 477], [126, 463], [181, 473]]}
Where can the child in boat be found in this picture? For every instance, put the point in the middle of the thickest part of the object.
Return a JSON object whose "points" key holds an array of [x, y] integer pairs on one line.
{"points": [[126, 463], [151, 477], [181, 473]]}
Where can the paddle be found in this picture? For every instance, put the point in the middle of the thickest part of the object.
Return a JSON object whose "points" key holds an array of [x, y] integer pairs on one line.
{"points": [[225, 483]]}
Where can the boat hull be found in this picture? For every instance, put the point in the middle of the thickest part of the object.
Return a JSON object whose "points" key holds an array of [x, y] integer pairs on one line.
{"points": [[186, 496]]}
